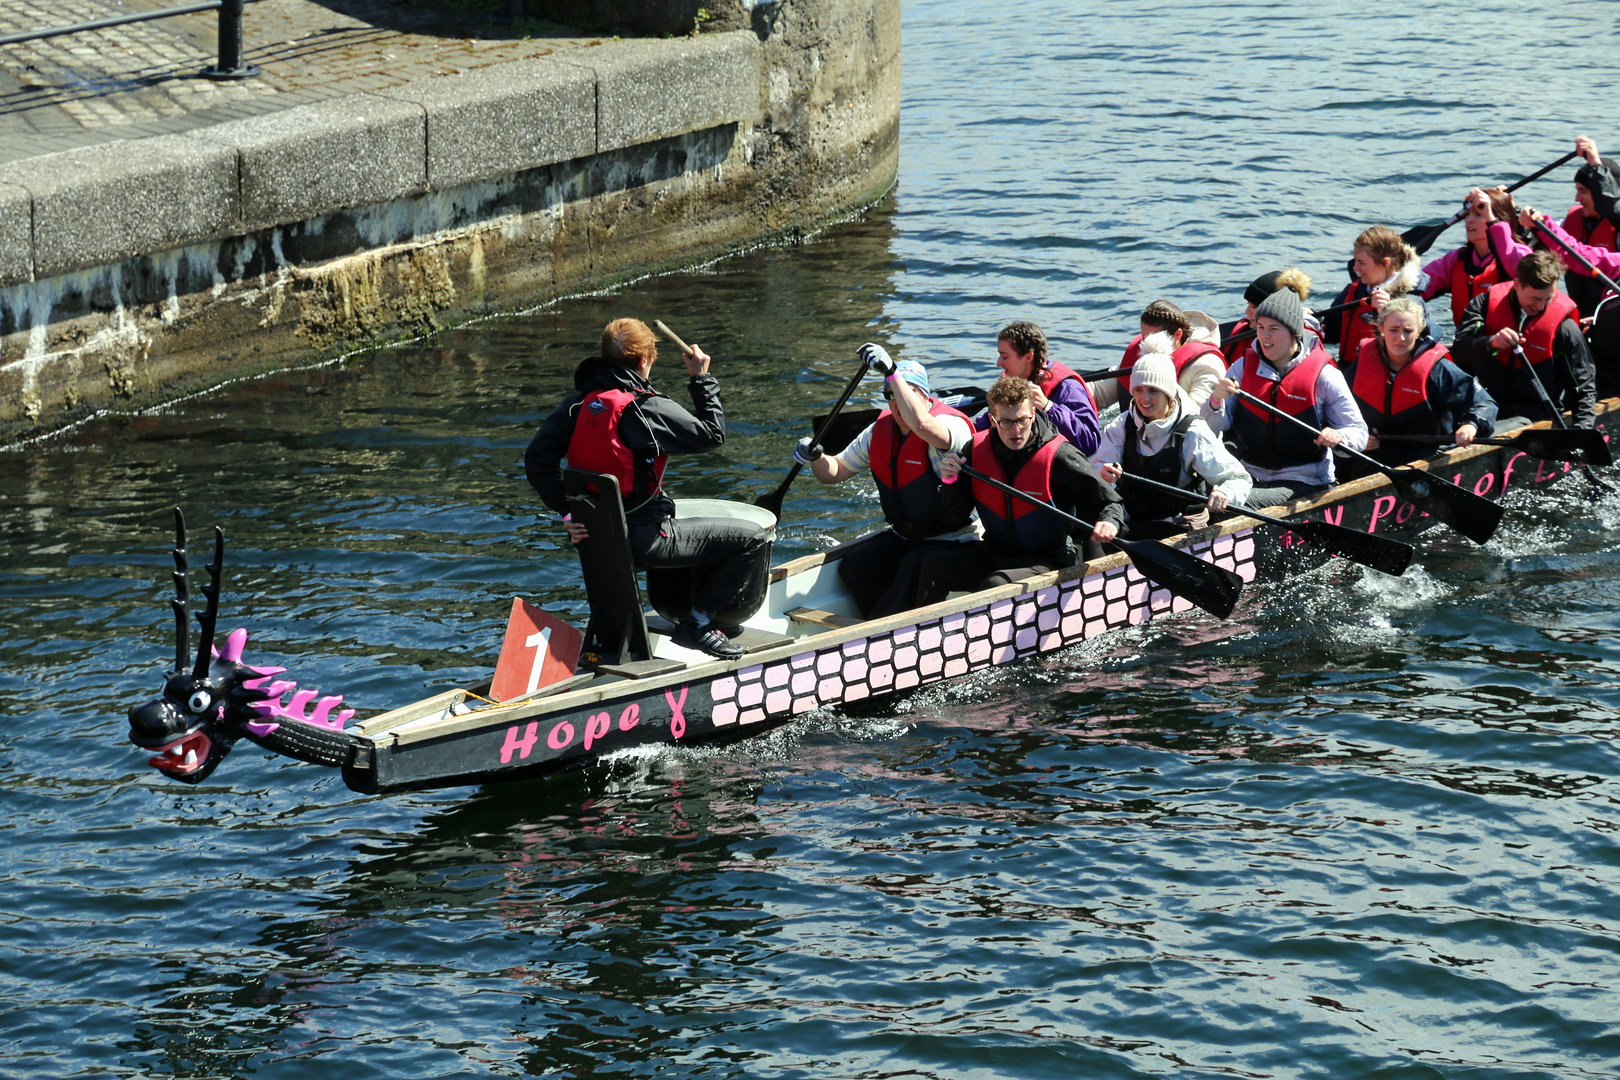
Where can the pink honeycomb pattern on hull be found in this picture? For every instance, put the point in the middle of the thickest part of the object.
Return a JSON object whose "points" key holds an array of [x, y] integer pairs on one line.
{"points": [[955, 644]]}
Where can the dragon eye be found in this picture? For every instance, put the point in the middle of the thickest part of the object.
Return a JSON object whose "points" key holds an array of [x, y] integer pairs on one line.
{"points": [[200, 701]]}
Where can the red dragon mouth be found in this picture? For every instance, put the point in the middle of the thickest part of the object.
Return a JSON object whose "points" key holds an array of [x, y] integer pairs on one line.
{"points": [[185, 755]]}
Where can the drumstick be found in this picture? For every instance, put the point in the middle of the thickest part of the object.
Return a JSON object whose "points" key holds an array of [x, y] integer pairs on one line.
{"points": [[670, 335]]}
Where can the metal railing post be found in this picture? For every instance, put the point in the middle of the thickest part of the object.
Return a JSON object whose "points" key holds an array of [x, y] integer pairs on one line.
{"points": [[230, 45]]}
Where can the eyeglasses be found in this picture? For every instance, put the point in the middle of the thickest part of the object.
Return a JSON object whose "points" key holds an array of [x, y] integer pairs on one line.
{"points": [[1006, 422]]}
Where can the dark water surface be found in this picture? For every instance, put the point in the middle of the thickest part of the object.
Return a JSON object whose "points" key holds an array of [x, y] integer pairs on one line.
{"points": [[1367, 828]]}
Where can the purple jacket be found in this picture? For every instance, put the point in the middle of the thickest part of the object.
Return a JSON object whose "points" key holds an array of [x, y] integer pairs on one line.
{"points": [[1071, 412]]}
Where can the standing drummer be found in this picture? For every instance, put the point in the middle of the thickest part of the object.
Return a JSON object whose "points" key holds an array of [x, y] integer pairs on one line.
{"points": [[616, 423]]}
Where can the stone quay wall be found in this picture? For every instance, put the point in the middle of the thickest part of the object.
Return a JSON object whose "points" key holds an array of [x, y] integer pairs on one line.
{"points": [[138, 271]]}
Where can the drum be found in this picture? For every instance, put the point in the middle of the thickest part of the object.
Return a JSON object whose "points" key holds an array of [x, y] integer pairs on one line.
{"points": [[670, 589]]}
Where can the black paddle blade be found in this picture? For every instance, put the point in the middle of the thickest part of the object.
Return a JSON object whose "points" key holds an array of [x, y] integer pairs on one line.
{"points": [[1213, 588], [1422, 237], [1583, 446], [1379, 552], [1472, 515], [772, 500]]}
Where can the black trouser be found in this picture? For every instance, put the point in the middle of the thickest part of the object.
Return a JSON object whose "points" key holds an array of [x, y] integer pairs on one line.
{"points": [[1604, 340], [880, 572], [728, 547], [973, 566]]}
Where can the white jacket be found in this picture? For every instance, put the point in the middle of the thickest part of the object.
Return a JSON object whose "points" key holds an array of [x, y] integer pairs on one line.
{"points": [[1202, 452]]}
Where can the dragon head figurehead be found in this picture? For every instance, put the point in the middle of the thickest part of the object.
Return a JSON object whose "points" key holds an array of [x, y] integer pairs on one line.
{"points": [[210, 703]]}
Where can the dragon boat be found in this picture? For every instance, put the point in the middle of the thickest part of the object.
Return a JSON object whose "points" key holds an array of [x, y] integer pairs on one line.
{"points": [[560, 699]]}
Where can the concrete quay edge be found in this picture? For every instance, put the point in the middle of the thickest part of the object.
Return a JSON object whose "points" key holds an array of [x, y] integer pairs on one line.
{"points": [[97, 205]]}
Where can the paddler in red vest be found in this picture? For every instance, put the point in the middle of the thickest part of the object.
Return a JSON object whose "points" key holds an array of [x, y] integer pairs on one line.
{"points": [[901, 451], [1288, 368], [617, 423], [1062, 396], [1529, 320], [1022, 449], [1602, 190], [1237, 336], [1162, 437], [1467, 271], [1193, 349], [1385, 266], [1405, 383], [1592, 221]]}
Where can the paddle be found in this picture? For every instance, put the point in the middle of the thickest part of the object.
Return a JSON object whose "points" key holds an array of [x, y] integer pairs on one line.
{"points": [[1211, 587], [1579, 445], [852, 423], [1472, 515], [772, 500], [1557, 413], [1422, 237], [1379, 552]]}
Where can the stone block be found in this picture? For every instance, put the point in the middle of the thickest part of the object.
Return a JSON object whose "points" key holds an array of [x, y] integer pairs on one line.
{"points": [[650, 90], [16, 235], [102, 204], [504, 119], [310, 160]]}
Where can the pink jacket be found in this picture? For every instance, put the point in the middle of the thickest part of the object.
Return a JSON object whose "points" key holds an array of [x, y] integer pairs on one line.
{"points": [[1512, 251]]}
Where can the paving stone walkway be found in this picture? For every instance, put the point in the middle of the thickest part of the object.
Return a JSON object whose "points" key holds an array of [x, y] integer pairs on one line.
{"points": [[141, 79]]}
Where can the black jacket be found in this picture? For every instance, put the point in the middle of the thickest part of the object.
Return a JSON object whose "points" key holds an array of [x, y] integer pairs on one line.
{"points": [[655, 425]]}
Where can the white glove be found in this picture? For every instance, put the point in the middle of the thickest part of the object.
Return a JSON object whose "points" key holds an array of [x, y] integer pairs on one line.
{"points": [[806, 451], [877, 358]]}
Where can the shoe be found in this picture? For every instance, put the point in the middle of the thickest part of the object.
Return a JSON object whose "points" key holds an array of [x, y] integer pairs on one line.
{"points": [[708, 639]]}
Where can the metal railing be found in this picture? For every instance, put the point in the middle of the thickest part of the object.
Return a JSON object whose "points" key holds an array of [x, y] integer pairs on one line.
{"points": [[230, 64]]}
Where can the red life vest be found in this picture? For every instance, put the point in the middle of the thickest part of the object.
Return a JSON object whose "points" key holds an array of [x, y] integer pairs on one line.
{"points": [[1132, 352], [1397, 405], [1356, 322], [1056, 373], [908, 487], [1586, 290], [1599, 232], [1011, 525], [1502, 373], [1465, 286], [1536, 339], [1265, 440], [1183, 356], [1239, 347], [596, 447]]}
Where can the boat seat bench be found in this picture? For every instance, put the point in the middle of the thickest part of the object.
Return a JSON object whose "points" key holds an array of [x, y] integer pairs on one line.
{"points": [[751, 639], [816, 617]]}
